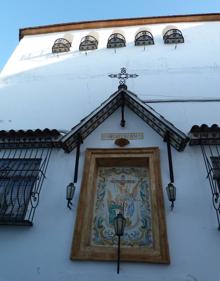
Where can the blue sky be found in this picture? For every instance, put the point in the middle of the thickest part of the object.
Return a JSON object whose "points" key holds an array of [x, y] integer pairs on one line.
{"points": [[15, 14]]}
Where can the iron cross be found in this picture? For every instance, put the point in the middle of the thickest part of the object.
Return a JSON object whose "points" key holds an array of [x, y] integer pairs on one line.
{"points": [[123, 76]]}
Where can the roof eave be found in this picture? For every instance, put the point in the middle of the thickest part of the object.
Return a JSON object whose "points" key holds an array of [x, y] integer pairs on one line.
{"points": [[157, 122], [96, 24]]}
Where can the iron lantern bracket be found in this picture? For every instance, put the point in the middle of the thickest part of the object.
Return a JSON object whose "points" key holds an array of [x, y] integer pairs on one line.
{"points": [[169, 153]]}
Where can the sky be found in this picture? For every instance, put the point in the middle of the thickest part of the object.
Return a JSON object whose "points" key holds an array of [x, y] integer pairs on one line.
{"points": [[16, 14]]}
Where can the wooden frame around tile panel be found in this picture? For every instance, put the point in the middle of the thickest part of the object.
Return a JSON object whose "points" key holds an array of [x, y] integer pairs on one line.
{"points": [[82, 248]]}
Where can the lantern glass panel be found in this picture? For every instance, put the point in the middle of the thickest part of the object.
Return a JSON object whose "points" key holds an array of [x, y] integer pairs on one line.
{"points": [[70, 190], [171, 192], [119, 224]]}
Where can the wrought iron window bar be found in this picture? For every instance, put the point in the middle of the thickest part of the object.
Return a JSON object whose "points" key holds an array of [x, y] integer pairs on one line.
{"points": [[143, 38], [61, 45], [22, 172], [173, 36], [88, 43], [211, 156], [116, 40], [208, 138]]}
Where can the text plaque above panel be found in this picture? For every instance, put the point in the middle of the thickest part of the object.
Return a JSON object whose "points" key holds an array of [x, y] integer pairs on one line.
{"points": [[128, 136]]}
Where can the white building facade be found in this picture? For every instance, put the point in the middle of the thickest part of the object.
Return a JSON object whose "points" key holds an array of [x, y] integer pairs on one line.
{"points": [[60, 102]]}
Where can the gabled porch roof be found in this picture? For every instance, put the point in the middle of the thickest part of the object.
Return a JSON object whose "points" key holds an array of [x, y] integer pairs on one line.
{"points": [[124, 97]]}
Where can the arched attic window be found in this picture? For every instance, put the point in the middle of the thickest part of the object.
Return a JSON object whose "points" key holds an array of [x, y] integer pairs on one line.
{"points": [[173, 36], [88, 43], [116, 40], [143, 38], [61, 45]]}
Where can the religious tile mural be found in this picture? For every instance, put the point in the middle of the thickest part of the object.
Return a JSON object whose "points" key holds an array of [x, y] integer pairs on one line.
{"points": [[126, 181], [122, 190]]}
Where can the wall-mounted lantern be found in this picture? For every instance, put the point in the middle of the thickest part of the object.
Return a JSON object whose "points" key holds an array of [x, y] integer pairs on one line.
{"points": [[171, 193], [119, 225], [70, 190]]}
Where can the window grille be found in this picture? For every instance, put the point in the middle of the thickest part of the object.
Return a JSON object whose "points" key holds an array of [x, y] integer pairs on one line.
{"points": [[88, 43], [116, 40], [143, 38], [61, 45], [211, 156], [215, 160], [173, 36], [21, 176]]}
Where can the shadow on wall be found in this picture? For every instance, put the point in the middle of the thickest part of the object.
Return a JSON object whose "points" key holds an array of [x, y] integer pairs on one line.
{"points": [[188, 53]]}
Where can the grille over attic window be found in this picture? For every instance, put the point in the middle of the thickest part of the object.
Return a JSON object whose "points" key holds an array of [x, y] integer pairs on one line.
{"points": [[143, 38], [116, 40], [173, 36], [61, 45], [88, 43]]}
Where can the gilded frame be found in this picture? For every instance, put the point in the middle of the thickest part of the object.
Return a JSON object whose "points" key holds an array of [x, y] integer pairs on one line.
{"points": [[83, 247]]}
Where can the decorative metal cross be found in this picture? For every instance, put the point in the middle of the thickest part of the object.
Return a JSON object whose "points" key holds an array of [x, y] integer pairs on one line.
{"points": [[123, 76]]}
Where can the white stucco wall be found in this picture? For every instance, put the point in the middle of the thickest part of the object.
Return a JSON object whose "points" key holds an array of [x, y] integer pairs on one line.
{"points": [[35, 81], [39, 89], [42, 251]]}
